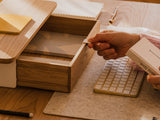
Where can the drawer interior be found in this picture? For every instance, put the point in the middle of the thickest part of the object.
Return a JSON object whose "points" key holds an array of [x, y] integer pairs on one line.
{"points": [[59, 39]]}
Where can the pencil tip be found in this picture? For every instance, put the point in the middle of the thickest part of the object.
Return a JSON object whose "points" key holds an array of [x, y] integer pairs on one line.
{"points": [[30, 114]]}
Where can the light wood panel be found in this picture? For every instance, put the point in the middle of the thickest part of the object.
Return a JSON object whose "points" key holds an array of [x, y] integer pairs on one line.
{"points": [[13, 23], [44, 64], [44, 75], [133, 14], [12, 45], [82, 57], [68, 25], [34, 100], [26, 100]]}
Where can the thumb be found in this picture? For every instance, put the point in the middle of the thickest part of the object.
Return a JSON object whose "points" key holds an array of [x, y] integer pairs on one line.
{"points": [[100, 37]]}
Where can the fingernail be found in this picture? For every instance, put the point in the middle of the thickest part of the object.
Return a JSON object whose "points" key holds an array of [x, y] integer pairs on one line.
{"points": [[91, 39], [98, 44]]}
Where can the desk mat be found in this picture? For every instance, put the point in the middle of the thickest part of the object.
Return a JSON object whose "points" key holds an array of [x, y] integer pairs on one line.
{"points": [[83, 103]]}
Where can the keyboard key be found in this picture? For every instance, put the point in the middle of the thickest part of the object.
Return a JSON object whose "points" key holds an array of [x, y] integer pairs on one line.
{"points": [[119, 78]]}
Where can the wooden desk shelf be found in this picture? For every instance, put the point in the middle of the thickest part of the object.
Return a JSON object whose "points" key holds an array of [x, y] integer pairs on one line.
{"points": [[11, 45]]}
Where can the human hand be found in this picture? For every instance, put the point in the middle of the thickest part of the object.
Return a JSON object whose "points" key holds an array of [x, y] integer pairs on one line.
{"points": [[154, 80], [112, 44]]}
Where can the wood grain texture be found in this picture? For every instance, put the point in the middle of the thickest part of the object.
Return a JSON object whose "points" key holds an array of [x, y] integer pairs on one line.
{"points": [[134, 14], [68, 25], [43, 72], [34, 100], [13, 23], [41, 68], [81, 59], [26, 100], [12, 45]]}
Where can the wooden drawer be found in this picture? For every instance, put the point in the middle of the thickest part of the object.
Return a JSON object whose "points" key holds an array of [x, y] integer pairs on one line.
{"points": [[56, 57]]}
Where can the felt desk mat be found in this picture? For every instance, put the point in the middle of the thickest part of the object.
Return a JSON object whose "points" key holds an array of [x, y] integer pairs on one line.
{"points": [[83, 103]]}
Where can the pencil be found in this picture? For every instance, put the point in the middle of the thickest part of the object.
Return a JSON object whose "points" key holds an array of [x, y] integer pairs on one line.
{"points": [[113, 16], [110, 22], [21, 114]]}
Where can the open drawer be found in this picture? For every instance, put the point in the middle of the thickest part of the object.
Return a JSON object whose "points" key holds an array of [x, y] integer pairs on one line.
{"points": [[56, 57]]}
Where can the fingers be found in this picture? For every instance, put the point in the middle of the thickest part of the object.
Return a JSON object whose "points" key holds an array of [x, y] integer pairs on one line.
{"points": [[101, 37], [113, 56], [107, 31], [153, 79], [103, 49], [156, 86], [99, 46], [90, 45], [108, 54]]}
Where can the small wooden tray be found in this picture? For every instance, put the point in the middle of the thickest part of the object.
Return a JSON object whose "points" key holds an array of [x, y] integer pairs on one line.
{"points": [[45, 64]]}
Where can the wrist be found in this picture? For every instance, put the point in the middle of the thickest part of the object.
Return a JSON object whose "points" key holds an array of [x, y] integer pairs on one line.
{"points": [[135, 38]]}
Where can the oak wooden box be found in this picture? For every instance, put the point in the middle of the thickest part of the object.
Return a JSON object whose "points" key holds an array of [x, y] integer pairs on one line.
{"points": [[53, 71]]}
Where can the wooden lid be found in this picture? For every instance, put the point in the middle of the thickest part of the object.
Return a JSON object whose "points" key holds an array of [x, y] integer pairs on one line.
{"points": [[11, 45]]}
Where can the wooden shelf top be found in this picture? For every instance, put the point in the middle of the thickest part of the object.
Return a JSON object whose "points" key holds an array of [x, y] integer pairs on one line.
{"points": [[11, 45]]}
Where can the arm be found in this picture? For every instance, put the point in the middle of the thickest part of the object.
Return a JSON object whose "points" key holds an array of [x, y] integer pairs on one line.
{"points": [[153, 79], [111, 45]]}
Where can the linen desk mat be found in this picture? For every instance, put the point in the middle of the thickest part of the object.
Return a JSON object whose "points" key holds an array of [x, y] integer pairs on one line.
{"points": [[83, 103]]}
